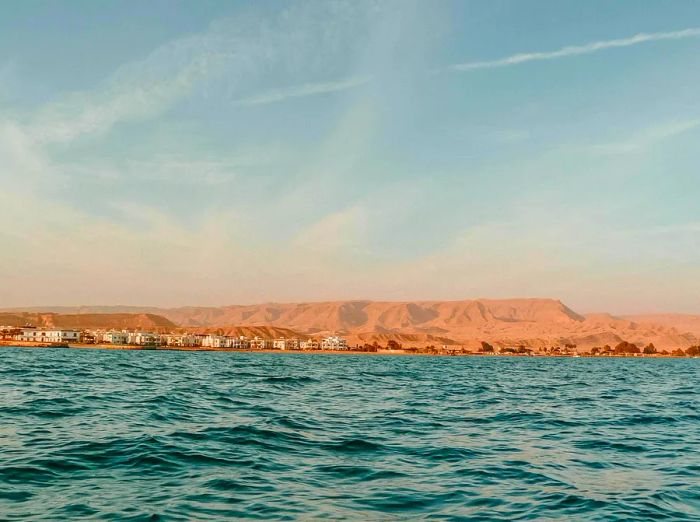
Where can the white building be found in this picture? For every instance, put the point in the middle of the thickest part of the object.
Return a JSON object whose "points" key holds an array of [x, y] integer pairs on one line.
{"points": [[285, 344], [309, 344], [216, 341], [48, 335], [114, 337], [143, 338], [184, 340], [240, 343], [258, 343], [334, 343]]}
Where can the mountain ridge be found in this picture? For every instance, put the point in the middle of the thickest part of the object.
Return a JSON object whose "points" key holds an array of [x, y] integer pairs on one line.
{"points": [[534, 322]]}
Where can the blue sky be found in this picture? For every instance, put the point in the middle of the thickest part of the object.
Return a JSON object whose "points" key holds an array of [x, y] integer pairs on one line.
{"points": [[174, 153]]}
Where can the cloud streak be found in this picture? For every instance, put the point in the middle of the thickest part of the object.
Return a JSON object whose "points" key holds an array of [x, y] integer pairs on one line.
{"points": [[648, 137], [300, 91], [577, 50], [140, 90]]}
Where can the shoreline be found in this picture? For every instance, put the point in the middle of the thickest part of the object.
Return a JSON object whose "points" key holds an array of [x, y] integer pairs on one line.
{"points": [[25, 344]]}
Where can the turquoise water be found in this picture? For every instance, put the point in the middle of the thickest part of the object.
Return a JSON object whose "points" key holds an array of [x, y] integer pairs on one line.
{"points": [[119, 435]]}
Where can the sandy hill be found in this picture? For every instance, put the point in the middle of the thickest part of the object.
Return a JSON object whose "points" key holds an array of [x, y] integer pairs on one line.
{"points": [[141, 321], [536, 323], [681, 322], [265, 332], [343, 316]]}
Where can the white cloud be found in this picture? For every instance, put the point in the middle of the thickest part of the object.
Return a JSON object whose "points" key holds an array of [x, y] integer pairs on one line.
{"points": [[139, 90], [336, 233], [232, 55], [576, 50], [647, 138], [300, 91]]}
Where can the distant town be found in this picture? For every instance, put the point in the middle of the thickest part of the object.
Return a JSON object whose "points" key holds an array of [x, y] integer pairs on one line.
{"points": [[60, 336], [33, 336]]}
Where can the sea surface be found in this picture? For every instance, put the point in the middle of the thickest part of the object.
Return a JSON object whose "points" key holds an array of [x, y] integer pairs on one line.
{"points": [[144, 435]]}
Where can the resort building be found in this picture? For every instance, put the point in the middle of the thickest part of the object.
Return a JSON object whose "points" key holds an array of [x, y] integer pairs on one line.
{"points": [[258, 343], [240, 343], [309, 344], [114, 337], [334, 343], [283, 343], [143, 338], [46, 335], [216, 341], [184, 340]]}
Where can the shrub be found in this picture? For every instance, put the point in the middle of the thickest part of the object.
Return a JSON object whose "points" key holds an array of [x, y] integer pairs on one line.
{"points": [[693, 351]]}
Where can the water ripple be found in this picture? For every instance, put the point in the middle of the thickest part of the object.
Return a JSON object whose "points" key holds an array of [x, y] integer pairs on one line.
{"points": [[128, 435]]}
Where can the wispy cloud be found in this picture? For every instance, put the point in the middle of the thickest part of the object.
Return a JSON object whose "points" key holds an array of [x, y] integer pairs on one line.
{"points": [[139, 90], [227, 59], [576, 50], [300, 91], [648, 137]]}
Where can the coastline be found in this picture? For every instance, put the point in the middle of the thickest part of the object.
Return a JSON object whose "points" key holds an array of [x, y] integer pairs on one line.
{"points": [[25, 344]]}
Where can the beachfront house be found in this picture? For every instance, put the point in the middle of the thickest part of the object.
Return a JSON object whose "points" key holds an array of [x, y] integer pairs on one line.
{"points": [[48, 335], [240, 343], [334, 342], [283, 343], [115, 337], [144, 339], [184, 340], [9, 332], [309, 344], [258, 343], [222, 341], [212, 341]]}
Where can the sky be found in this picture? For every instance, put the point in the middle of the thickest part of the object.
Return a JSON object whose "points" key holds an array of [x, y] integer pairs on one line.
{"points": [[172, 153]]}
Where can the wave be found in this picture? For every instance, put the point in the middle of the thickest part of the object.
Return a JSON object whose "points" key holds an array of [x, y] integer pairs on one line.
{"points": [[221, 436]]}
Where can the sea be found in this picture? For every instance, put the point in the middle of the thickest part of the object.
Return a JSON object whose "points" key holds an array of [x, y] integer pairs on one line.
{"points": [[159, 435]]}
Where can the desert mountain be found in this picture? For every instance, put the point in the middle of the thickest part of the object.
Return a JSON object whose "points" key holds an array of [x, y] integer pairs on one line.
{"points": [[264, 332], [681, 322], [531, 322], [141, 321]]}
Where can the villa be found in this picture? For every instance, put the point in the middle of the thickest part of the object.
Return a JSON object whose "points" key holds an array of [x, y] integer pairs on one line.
{"points": [[115, 337], [283, 343], [47, 335], [334, 343]]}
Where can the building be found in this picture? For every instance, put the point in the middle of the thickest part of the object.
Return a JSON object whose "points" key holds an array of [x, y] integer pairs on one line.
{"points": [[258, 343], [184, 340], [90, 336], [48, 335], [114, 337], [10, 332], [143, 338], [309, 344], [216, 341], [334, 343], [283, 343], [240, 343]]}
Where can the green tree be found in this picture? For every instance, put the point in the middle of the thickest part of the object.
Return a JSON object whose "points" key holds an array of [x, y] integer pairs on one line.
{"points": [[693, 351], [626, 348], [486, 347], [393, 345]]}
